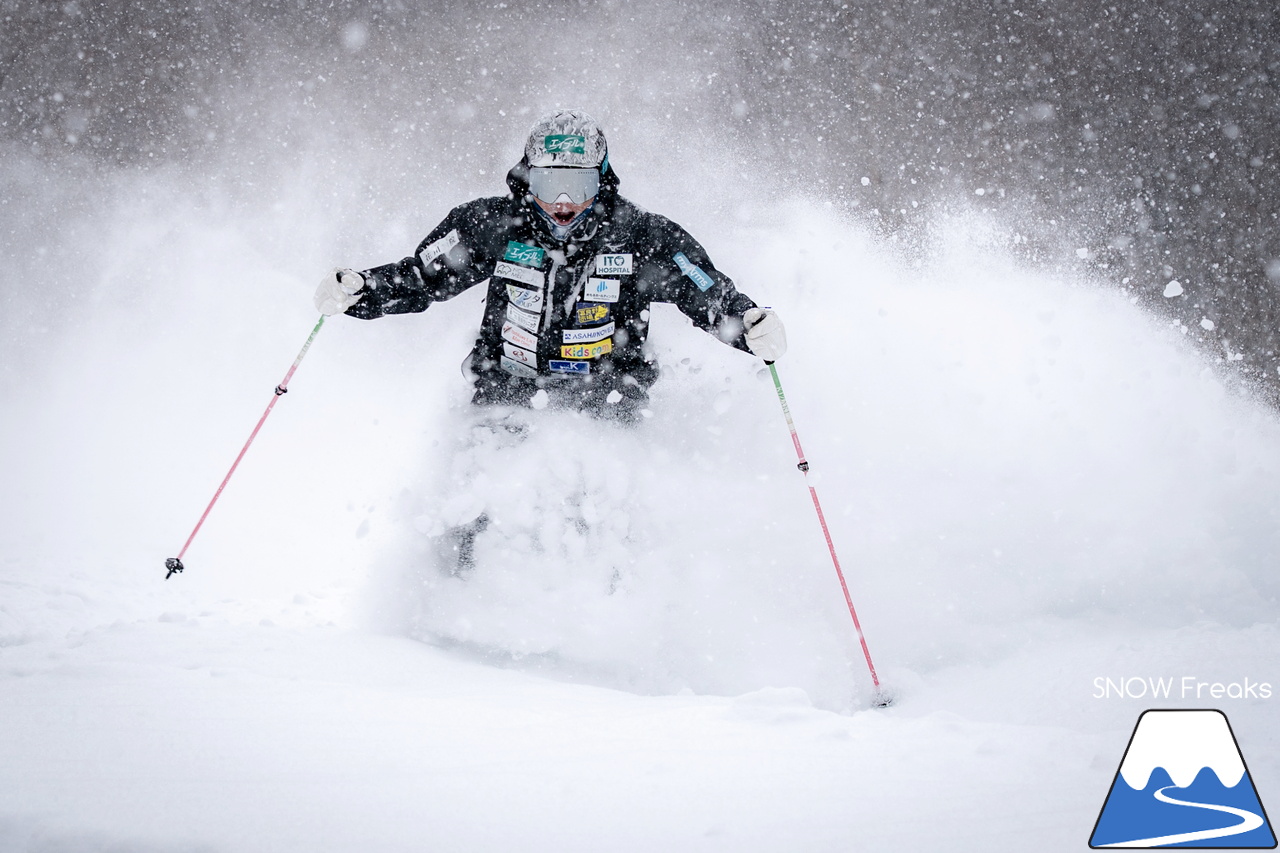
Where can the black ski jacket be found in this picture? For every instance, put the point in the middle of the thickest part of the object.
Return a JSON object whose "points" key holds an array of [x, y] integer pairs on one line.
{"points": [[570, 317]]}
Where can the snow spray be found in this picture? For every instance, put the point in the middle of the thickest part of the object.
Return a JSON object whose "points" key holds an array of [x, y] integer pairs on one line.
{"points": [[174, 564], [881, 698]]}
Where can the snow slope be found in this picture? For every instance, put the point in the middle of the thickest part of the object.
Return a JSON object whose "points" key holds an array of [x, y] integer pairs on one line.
{"points": [[1031, 485]]}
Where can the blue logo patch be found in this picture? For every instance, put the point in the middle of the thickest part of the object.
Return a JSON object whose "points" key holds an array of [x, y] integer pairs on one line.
{"points": [[579, 367], [695, 273], [519, 253], [1182, 782]]}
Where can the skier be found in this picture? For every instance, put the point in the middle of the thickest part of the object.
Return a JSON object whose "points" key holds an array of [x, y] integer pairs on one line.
{"points": [[571, 268]]}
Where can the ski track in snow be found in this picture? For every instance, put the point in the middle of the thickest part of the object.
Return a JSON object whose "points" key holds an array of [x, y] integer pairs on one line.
{"points": [[1029, 483]]}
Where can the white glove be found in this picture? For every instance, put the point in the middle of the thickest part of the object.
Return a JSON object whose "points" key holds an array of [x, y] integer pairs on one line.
{"points": [[765, 335], [339, 291]]}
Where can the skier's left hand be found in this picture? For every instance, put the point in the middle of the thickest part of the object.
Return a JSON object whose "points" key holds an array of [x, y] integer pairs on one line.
{"points": [[765, 335]]}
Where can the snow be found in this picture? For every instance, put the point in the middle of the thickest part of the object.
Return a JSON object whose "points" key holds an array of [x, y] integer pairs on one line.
{"points": [[1030, 484]]}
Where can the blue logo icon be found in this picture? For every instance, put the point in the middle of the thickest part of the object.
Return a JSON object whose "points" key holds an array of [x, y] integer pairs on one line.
{"points": [[1183, 783]]}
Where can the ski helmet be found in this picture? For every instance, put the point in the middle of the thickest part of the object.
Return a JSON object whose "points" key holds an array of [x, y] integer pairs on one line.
{"points": [[567, 139]]}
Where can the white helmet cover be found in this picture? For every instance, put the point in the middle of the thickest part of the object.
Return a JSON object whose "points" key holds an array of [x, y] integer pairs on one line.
{"points": [[566, 138]]}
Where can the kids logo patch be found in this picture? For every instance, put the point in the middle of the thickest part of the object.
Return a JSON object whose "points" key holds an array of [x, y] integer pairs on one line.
{"points": [[1183, 783]]}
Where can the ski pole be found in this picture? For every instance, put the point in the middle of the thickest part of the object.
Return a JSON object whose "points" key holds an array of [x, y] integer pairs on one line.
{"points": [[882, 698], [174, 564]]}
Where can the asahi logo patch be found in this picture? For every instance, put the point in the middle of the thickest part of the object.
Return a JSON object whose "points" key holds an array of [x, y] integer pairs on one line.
{"points": [[524, 275], [530, 256], [440, 247], [588, 336], [619, 264], [602, 290]]}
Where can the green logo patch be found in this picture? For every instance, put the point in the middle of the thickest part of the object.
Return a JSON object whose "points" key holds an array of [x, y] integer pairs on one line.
{"points": [[564, 144], [519, 253]]}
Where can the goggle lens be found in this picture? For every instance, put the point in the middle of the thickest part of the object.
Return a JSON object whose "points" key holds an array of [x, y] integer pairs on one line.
{"points": [[548, 183]]}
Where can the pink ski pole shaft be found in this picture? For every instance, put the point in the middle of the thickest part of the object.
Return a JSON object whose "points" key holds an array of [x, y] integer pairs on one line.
{"points": [[174, 564], [881, 698]]}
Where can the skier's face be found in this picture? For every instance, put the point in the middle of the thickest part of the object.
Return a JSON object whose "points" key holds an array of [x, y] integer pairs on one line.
{"points": [[563, 211]]}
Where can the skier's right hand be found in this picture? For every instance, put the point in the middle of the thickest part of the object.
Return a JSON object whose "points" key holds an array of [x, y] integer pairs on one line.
{"points": [[338, 291]]}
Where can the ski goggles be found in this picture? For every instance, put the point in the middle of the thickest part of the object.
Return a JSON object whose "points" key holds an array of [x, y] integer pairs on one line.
{"points": [[548, 183]]}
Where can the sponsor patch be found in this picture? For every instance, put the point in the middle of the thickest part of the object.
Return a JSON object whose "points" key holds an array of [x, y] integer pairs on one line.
{"points": [[523, 319], [614, 264], [523, 356], [602, 290], [519, 253], [524, 275], [587, 350], [515, 368], [529, 300], [588, 336], [590, 315], [564, 144], [440, 247], [693, 271], [518, 336], [579, 367]]}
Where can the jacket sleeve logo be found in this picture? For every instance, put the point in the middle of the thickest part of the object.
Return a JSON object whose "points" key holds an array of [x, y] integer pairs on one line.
{"points": [[439, 247], [693, 271]]}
